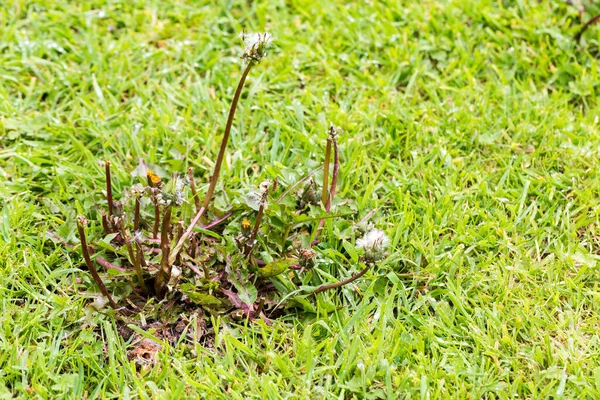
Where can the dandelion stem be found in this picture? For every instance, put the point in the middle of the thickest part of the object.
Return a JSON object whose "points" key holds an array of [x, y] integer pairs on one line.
{"points": [[252, 238], [165, 268], [109, 194], [193, 187], [217, 170], [135, 258], [585, 26], [325, 194], [334, 178], [105, 225], [136, 216], [81, 222], [156, 219], [344, 282]]}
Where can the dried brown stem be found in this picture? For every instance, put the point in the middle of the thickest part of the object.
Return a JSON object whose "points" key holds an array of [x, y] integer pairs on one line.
{"points": [[193, 187], [185, 236], [344, 282], [334, 175], [81, 222], [99, 260]]}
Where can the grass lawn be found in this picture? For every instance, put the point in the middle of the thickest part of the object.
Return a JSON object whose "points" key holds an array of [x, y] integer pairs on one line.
{"points": [[470, 127]]}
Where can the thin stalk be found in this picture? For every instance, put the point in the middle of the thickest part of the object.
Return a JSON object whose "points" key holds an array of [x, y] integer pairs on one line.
{"points": [[185, 236], [179, 234], [141, 262], [135, 258], [334, 178], [81, 222], [252, 238], [218, 221], [192, 249], [109, 194], [193, 187], [156, 219], [99, 260], [217, 170], [344, 282], [592, 21], [165, 268], [325, 194], [105, 224], [136, 216]]}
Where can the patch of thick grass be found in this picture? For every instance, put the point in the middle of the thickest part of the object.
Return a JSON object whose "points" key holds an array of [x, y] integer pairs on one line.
{"points": [[471, 126]]}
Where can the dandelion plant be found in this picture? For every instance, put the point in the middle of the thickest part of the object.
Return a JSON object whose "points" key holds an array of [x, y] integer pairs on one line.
{"points": [[244, 261]]}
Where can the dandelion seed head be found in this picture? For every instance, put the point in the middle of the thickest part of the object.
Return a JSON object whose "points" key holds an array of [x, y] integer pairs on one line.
{"points": [[374, 243], [255, 45]]}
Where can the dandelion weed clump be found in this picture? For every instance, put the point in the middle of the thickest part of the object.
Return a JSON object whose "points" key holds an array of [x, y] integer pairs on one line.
{"points": [[171, 251]]}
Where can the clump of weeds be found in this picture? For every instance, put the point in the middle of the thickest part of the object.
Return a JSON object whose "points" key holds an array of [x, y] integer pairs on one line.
{"points": [[169, 253]]}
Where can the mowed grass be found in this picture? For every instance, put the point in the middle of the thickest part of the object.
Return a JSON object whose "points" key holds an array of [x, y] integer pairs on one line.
{"points": [[470, 126]]}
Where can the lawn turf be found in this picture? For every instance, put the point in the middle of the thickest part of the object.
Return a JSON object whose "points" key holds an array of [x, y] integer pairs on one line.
{"points": [[470, 126]]}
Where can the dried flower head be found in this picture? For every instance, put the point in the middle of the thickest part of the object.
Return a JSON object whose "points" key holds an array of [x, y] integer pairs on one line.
{"points": [[172, 193], [255, 45], [257, 198], [306, 254], [334, 130], [374, 243]]}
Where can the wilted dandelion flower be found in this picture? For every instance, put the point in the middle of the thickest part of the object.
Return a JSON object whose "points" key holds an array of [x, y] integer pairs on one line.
{"points": [[334, 131], [257, 198], [255, 45], [172, 193], [374, 243]]}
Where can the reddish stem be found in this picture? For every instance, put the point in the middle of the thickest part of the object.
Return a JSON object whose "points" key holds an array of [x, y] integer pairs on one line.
{"points": [[109, 194], [81, 222], [193, 187], [164, 274], [592, 21], [344, 282], [217, 170]]}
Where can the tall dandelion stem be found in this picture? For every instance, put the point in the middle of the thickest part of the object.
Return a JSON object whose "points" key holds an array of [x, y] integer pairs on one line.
{"points": [[325, 193], [217, 170], [219, 163]]}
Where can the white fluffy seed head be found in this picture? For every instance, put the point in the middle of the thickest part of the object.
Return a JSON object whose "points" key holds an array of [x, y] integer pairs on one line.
{"points": [[374, 243], [255, 45]]}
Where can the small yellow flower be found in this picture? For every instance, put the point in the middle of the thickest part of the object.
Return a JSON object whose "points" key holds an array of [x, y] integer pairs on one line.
{"points": [[246, 226]]}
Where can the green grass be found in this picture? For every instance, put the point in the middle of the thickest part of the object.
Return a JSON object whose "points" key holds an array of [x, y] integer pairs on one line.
{"points": [[471, 126]]}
